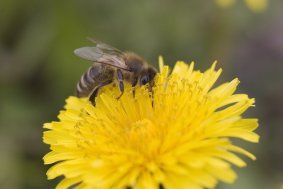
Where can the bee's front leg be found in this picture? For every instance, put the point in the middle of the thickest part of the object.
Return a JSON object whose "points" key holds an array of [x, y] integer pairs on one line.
{"points": [[134, 83], [120, 78]]}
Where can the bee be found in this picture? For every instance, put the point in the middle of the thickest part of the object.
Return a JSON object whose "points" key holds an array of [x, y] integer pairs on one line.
{"points": [[111, 66]]}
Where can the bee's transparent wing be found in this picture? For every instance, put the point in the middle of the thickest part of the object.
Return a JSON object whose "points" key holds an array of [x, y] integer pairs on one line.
{"points": [[102, 55], [105, 46], [89, 53]]}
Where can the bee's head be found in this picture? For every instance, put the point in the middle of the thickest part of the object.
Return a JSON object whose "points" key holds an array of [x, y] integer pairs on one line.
{"points": [[147, 76]]}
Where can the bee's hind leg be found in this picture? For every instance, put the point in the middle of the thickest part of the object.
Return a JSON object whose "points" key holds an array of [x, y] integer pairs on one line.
{"points": [[96, 90]]}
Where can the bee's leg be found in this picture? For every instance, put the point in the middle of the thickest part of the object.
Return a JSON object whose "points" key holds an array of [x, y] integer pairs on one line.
{"points": [[151, 93], [120, 78], [134, 83], [95, 91]]}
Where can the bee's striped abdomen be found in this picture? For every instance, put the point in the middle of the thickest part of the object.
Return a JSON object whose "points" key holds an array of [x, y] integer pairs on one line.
{"points": [[93, 78]]}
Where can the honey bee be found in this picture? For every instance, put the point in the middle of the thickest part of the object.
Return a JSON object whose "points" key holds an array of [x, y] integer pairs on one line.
{"points": [[111, 65]]}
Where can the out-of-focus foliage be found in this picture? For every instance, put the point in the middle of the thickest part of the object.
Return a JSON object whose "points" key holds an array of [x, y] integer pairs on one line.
{"points": [[38, 69]]}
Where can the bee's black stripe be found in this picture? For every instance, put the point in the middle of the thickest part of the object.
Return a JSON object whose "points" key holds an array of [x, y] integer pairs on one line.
{"points": [[79, 90], [84, 85], [87, 82], [83, 82], [89, 75], [92, 73], [95, 77]]}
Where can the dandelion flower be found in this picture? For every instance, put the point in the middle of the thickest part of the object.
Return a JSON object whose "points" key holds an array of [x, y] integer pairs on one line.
{"points": [[177, 137]]}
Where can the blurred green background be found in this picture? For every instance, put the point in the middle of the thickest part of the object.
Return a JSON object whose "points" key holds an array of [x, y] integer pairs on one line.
{"points": [[38, 69]]}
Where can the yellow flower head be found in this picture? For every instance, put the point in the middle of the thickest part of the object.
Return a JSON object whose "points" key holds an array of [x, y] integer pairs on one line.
{"points": [[175, 137], [254, 5]]}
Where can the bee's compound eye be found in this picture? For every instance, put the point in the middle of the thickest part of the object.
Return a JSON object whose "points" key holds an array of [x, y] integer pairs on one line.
{"points": [[144, 80]]}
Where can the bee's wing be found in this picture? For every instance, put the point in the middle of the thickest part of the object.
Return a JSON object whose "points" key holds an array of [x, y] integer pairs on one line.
{"points": [[103, 56], [104, 46]]}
